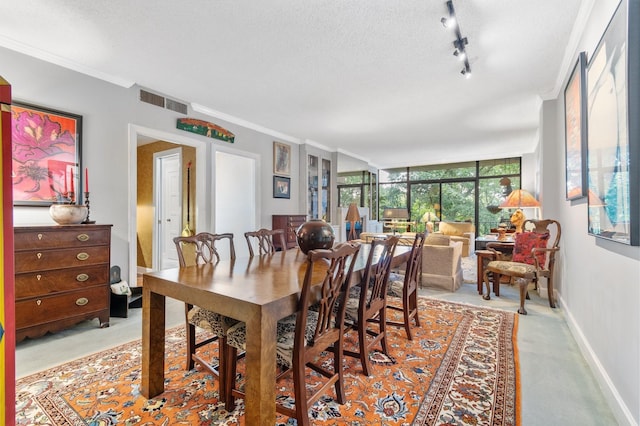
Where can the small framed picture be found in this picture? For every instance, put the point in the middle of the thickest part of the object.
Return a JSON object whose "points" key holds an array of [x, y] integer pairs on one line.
{"points": [[281, 159], [281, 187]]}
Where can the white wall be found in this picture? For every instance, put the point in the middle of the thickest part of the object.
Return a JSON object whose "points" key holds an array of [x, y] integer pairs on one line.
{"points": [[600, 280]]}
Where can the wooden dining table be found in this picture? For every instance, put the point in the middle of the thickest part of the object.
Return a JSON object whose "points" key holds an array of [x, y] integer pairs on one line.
{"points": [[259, 291]]}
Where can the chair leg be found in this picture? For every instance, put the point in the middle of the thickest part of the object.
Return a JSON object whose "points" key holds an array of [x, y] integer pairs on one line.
{"points": [[300, 394], [383, 331], [407, 320], [414, 307], [337, 366], [488, 284], [552, 300], [524, 285], [191, 346], [364, 349]]}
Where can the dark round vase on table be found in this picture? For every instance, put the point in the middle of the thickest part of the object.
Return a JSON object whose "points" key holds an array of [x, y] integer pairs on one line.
{"points": [[315, 234]]}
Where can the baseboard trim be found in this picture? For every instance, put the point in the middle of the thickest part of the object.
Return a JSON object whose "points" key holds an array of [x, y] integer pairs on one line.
{"points": [[611, 394]]}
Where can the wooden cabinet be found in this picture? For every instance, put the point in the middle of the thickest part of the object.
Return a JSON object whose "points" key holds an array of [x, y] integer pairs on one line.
{"points": [[290, 224], [61, 277]]}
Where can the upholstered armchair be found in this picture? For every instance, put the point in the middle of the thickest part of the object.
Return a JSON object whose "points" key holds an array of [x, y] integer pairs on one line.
{"points": [[463, 232], [442, 262], [441, 258]]}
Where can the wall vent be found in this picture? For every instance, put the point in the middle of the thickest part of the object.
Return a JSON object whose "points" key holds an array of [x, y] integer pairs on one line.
{"points": [[162, 102], [151, 98], [176, 106]]}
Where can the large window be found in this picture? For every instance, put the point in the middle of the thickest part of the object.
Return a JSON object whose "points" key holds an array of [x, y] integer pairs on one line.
{"points": [[360, 188], [469, 191]]}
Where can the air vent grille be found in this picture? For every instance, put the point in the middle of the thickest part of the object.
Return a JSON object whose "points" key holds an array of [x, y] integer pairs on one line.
{"points": [[157, 100], [176, 106], [152, 98]]}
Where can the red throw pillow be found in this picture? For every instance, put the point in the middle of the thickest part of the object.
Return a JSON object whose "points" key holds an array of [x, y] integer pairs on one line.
{"points": [[526, 241]]}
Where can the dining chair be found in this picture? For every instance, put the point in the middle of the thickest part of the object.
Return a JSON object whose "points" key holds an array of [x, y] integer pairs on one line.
{"points": [[533, 257], [265, 240], [199, 249], [406, 288], [303, 338], [367, 302]]}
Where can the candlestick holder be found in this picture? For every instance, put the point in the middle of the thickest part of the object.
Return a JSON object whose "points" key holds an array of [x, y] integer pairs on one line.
{"points": [[86, 203]]}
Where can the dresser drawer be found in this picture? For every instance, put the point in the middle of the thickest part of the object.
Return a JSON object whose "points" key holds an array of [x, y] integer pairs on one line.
{"points": [[27, 261], [32, 284], [46, 309], [76, 237]]}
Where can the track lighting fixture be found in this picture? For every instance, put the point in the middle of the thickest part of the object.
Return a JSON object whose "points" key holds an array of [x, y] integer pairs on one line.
{"points": [[460, 43]]}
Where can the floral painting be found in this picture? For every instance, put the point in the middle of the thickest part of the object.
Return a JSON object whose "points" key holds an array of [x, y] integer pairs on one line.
{"points": [[45, 150]]}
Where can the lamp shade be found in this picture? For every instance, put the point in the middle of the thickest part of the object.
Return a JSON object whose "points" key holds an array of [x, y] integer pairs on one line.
{"points": [[519, 198], [353, 215], [429, 217], [395, 214]]}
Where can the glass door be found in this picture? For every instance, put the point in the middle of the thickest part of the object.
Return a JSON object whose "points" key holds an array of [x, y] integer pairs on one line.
{"points": [[312, 202]]}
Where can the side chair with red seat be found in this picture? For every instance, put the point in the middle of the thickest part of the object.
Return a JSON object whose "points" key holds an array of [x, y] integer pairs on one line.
{"points": [[533, 257], [316, 328]]}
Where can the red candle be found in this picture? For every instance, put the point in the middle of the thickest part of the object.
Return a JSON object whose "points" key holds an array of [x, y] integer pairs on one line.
{"points": [[65, 183], [72, 189], [86, 179]]}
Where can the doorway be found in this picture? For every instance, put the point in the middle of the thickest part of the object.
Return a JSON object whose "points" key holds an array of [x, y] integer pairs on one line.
{"points": [[235, 197], [168, 201]]}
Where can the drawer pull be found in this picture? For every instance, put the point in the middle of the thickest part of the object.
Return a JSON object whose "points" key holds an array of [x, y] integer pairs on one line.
{"points": [[83, 237], [82, 301], [38, 302], [82, 256], [39, 255], [39, 277], [39, 236], [82, 277]]}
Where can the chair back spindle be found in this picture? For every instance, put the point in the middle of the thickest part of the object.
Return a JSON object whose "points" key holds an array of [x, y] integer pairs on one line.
{"points": [[264, 239]]}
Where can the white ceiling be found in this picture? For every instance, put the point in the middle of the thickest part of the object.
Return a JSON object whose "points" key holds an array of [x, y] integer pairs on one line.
{"points": [[376, 79]]}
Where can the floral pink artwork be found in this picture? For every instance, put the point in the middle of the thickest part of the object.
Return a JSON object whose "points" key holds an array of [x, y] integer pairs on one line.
{"points": [[44, 154]]}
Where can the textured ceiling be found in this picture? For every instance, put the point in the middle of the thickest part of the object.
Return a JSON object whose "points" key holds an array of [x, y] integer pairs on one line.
{"points": [[376, 79]]}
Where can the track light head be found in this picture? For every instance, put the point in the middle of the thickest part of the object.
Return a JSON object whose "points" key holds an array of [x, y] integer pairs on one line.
{"points": [[460, 54], [449, 22], [466, 71]]}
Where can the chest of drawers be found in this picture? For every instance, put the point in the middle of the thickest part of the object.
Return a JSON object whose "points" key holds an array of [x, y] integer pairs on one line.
{"points": [[61, 277], [290, 223]]}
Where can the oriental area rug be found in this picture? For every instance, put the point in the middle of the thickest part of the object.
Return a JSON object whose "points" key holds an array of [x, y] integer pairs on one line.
{"points": [[460, 369]]}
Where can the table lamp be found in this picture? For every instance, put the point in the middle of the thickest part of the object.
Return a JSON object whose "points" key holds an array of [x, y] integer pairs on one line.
{"points": [[392, 215], [353, 216], [519, 199], [428, 218]]}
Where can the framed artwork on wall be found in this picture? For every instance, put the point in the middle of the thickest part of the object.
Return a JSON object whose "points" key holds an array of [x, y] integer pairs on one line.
{"points": [[575, 126], [613, 146], [281, 159], [46, 151], [281, 187]]}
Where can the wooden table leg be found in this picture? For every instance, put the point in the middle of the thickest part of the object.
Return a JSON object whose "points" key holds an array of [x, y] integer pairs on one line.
{"points": [[153, 332], [260, 401]]}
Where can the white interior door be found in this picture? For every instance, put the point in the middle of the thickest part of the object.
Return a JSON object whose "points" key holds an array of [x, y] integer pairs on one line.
{"points": [[235, 198], [168, 207]]}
